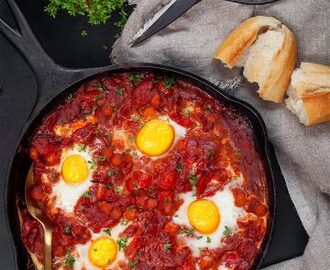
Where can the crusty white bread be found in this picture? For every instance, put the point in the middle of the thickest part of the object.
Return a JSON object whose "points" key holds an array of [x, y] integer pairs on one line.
{"points": [[309, 93], [267, 50]]}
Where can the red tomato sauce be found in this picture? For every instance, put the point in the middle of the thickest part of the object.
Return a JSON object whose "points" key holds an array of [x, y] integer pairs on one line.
{"points": [[144, 190]]}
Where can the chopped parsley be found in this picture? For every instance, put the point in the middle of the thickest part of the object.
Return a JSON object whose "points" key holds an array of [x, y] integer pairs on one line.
{"points": [[109, 186], [104, 47], [119, 190], [209, 153], [193, 179], [200, 237], [69, 98], [87, 194], [208, 239], [135, 77], [97, 11], [67, 229], [102, 158], [121, 92], [187, 231], [227, 231], [169, 81], [122, 242], [101, 87], [131, 207], [68, 259], [107, 231], [124, 222], [167, 246], [98, 97], [82, 147], [179, 167], [83, 33], [92, 164], [110, 173], [133, 264], [132, 139]]}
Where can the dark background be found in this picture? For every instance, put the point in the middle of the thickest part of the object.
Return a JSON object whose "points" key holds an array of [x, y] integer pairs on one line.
{"points": [[61, 38]]}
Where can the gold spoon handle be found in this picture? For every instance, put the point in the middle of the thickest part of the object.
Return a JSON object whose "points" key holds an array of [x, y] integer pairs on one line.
{"points": [[48, 247]]}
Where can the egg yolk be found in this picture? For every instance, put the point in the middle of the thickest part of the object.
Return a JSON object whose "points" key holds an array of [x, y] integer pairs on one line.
{"points": [[204, 216], [102, 252], [74, 169], [155, 137]]}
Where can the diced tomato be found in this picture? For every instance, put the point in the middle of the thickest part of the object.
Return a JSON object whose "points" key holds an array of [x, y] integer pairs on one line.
{"points": [[167, 180], [107, 109], [155, 100], [239, 197], [149, 112], [151, 204], [130, 214], [116, 159], [105, 207], [172, 228], [206, 262]]}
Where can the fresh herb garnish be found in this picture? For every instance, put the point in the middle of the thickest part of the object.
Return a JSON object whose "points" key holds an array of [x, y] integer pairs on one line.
{"points": [[110, 173], [169, 81], [107, 231], [227, 231], [98, 97], [104, 47], [67, 229], [92, 164], [208, 239], [209, 153], [122, 243], [101, 87], [133, 264], [97, 11], [102, 158], [68, 259], [135, 77], [119, 190], [132, 139], [82, 147], [121, 92], [187, 231], [87, 194], [124, 222], [83, 33], [200, 237], [179, 167], [193, 179], [167, 246], [69, 98]]}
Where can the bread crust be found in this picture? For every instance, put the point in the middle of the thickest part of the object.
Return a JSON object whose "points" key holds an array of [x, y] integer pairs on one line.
{"points": [[317, 107], [242, 37], [283, 62], [311, 83], [282, 66]]}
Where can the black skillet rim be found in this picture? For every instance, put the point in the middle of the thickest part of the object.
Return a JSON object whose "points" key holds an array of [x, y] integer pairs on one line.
{"points": [[204, 85]]}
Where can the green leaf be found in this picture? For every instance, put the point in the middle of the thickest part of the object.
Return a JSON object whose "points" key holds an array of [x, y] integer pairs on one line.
{"points": [[167, 246], [193, 179], [87, 194], [169, 81], [121, 92], [179, 167], [102, 158], [122, 242], [227, 231], [68, 259], [208, 239], [67, 229], [83, 33], [133, 264], [135, 77], [107, 231]]}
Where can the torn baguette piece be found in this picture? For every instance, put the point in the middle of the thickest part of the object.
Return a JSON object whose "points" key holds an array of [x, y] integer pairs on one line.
{"points": [[309, 93], [267, 50]]}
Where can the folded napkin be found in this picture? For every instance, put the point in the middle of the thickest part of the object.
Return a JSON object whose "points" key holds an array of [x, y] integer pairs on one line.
{"points": [[303, 152]]}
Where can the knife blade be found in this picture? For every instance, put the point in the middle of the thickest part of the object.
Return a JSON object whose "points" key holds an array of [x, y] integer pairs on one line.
{"points": [[169, 13]]}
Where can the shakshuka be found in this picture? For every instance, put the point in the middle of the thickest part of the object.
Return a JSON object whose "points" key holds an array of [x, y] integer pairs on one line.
{"points": [[146, 171]]}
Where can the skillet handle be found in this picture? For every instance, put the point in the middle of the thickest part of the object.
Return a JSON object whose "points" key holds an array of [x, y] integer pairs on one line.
{"points": [[51, 77]]}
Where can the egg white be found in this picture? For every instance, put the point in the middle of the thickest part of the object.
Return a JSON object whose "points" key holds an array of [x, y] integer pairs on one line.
{"points": [[66, 195], [229, 214], [81, 251]]}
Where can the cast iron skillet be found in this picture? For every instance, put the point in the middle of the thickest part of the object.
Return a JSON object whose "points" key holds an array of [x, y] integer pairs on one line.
{"points": [[56, 82]]}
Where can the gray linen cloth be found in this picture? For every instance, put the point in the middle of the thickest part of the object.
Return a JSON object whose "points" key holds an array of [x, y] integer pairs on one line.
{"points": [[303, 152]]}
